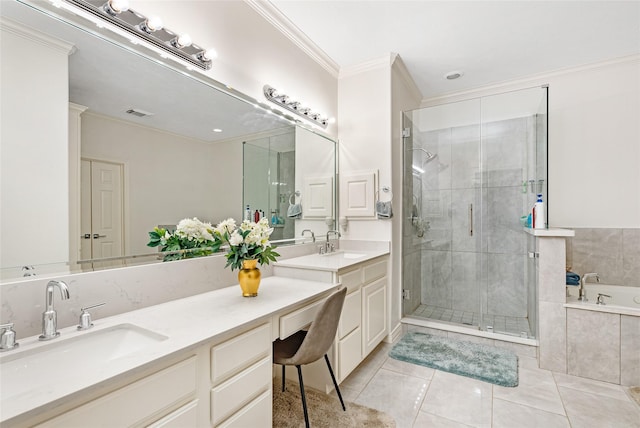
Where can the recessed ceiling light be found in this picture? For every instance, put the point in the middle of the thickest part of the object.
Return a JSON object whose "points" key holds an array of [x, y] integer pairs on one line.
{"points": [[453, 75], [217, 130]]}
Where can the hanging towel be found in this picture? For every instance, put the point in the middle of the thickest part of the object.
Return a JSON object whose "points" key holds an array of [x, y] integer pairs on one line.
{"points": [[294, 211], [383, 209], [573, 278]]}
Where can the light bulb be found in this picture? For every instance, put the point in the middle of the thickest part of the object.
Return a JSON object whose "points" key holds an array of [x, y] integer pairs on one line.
{"points": [[183, 41], [151, 24], [331, 120], [209, 55], [115, 7]]}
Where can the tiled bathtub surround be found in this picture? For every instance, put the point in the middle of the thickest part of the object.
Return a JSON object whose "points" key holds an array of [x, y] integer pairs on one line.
{"points": [[603, 346], [613, 253]]}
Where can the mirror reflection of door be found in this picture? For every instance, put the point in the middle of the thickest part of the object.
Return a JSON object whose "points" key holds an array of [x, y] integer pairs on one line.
{"points": [[102, 219]]}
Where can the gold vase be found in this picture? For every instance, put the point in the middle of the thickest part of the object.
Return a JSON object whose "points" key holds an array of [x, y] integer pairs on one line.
{"points": [[249, 278]]}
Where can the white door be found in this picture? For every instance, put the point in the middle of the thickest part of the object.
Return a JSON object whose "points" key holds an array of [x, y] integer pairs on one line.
{"points": [[102, 210]]}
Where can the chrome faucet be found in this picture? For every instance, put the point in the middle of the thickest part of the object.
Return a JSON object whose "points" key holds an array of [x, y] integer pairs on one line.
{"points": [[313, 235], [49, 316], [582, 293], [329, 247]]}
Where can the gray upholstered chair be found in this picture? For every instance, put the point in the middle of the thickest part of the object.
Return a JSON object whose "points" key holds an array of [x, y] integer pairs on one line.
{"points": [[305, 347]]}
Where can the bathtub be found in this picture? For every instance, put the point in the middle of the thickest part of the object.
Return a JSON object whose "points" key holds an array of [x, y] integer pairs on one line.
{"points": [[604, 333], [623, 300]]}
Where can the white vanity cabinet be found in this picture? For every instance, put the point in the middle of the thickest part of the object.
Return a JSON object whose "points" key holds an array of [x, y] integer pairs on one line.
{"points": [[364, 319], [241, 379], [363, 323], [212, 369], [225, 384], [169, 394]]}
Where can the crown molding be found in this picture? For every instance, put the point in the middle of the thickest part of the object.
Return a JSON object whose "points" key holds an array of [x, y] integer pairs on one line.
{"points": [[36, 36], [276, 18], [527, 81], [399, 65], [374, 64]]}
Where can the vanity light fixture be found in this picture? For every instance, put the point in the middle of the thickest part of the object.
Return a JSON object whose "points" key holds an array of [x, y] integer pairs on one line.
{"points": [[293, 106], [151, 30]]}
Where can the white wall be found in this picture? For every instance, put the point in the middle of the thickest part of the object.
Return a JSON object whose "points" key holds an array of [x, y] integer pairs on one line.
{"points": [[167, 177], [364, 100], [405, 96], [594, 142], [35, 207]]}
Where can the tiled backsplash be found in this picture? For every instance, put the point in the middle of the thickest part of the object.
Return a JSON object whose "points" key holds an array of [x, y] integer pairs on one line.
{"points": [[612, 253]]}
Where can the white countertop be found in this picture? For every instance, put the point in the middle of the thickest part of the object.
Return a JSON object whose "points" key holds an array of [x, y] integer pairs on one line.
{"points": [[332, 262], [551, 232], [187, 323]]}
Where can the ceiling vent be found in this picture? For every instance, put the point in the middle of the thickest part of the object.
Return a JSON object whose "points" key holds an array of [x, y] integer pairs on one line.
{"points": [[138, 112]]}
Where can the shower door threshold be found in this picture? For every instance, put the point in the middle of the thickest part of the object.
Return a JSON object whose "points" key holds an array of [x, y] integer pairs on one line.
{"points": [[465, 329]]}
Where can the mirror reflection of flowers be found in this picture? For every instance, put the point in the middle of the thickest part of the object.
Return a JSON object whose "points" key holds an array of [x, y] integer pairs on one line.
{"points": [[192, 238], [249, 241]]}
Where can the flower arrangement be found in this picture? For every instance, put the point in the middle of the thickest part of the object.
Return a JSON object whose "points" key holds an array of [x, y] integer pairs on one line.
{"points": [[249, 241], [192, 238]]}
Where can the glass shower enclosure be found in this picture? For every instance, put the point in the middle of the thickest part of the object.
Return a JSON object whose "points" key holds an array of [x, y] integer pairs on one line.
{"points": [[472, 170], [269, 179]]}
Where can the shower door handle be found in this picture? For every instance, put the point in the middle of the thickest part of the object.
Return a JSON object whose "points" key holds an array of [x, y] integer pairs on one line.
{"points": [[470, 219]]}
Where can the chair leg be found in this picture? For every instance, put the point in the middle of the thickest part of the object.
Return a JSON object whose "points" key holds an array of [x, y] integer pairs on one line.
{"points": [[283, 374], [334, 382], [304, 399]]}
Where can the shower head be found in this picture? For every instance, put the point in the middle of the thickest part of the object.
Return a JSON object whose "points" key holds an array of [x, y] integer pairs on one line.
{"points": [[428, 157]]}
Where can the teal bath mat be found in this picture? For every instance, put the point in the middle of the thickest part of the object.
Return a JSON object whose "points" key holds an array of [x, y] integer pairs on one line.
{"points": [[486, 363]]}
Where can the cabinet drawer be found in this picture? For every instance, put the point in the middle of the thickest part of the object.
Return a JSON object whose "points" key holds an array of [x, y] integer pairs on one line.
{"points": [[230, 396], [299, 319], [185, 416], [374, 271], [351, 280], [257, 414], [351, 314], [136, 402], [232, 356], [349, 353]]}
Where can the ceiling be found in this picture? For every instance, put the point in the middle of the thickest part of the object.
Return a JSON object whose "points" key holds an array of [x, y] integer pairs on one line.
{"points": [[489, 41]]}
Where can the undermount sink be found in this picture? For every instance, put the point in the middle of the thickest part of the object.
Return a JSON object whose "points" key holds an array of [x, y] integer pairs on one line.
{"points": [[345, 254], [55, 360]]}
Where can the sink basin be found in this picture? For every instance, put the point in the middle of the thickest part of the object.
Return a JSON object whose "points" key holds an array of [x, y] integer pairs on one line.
{"points": [[353, 255], [54, 361], [345, 254]]}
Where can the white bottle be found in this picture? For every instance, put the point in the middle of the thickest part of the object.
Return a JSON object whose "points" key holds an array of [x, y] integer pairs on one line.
{"points": [[538, 213], [247, 213]]}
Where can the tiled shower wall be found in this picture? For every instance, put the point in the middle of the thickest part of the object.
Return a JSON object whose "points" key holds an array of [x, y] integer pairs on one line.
{"points": [[612, 253]]}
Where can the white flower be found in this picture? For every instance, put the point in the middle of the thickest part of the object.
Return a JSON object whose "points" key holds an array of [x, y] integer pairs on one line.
{"points": [[235, 239], [194, 229], [226, 226]]}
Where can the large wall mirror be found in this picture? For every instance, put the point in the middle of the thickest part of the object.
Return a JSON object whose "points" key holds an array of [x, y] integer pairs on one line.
{"points": [[101, 142]]}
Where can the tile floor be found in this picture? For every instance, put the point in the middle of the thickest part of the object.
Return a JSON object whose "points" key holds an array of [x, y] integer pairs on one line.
{"points": [[422, 397], [517, 326]]}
